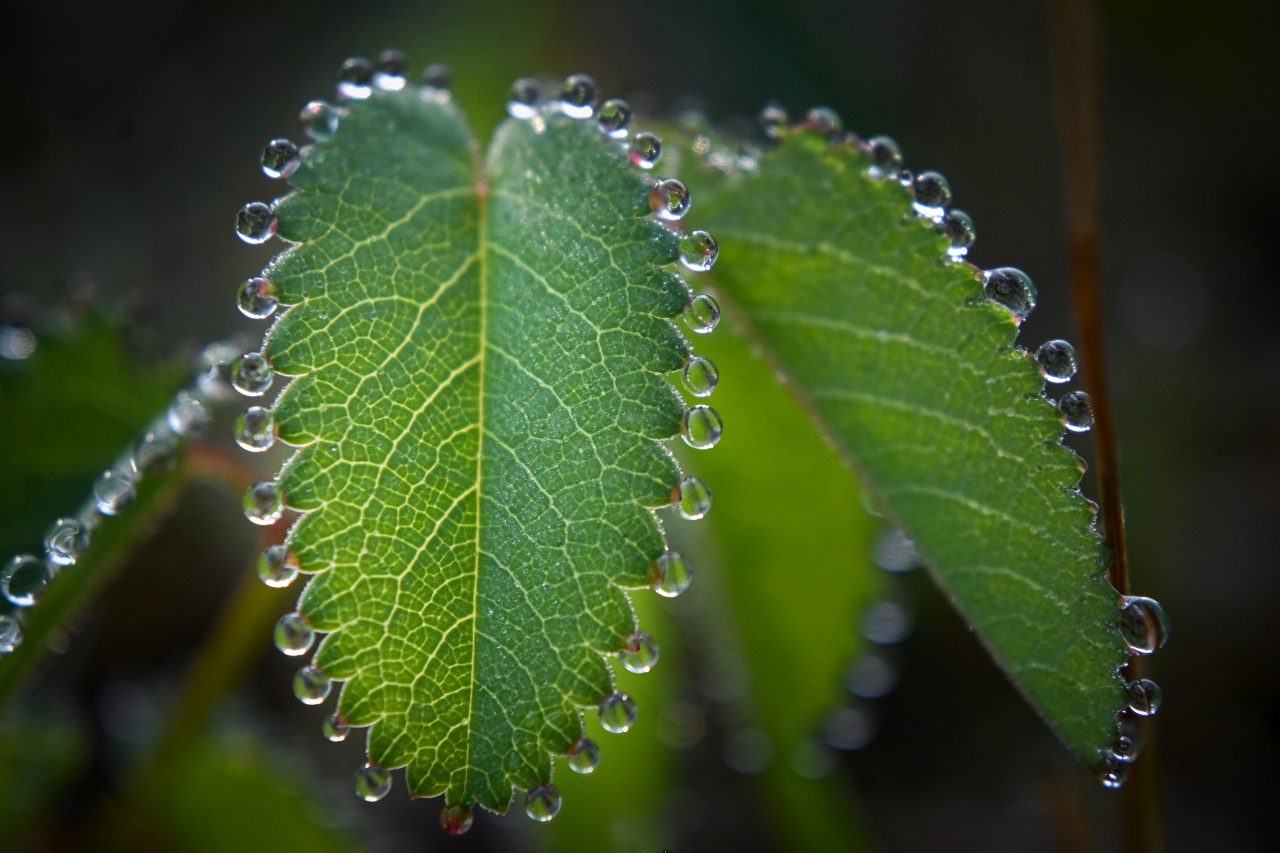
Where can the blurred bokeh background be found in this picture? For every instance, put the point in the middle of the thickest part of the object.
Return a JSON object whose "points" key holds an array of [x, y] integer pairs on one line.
{"points": [[130, 137]]}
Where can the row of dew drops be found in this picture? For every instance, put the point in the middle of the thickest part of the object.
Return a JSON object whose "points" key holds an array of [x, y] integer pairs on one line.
{"points": [[26, 578], [256, 431], [1141, 621]]}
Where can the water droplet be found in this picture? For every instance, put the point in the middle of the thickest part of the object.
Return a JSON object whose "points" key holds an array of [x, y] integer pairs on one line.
{"points": [[1012, 288], [849, 729], [825, 121], [645, 150], [388, 70], [24, 579], [293, 634], [886, 623], [257, 298], [578, 95], [255, 223], [280, 159], [17, 343], [698, 251], [542, 803], [669, 574], [251, 374], [957, 226], [886, 156], [319, 120], [584, 756], [932, 192], [617, 713], [693, 498], [311, 685], [1058, 360], [277, 567], [10, 633], [66, 541], [895, 552], [355, 79], [702, 314], [155, 451], [263, 503], [437, 77], [1145, 697], [1114, 773], [335, 728], [187, 414], [113, 492], [641, 653], [1125, 750], [1077, 410], [701, 427], [670, 199], [1143, 624], [372, 782], [614, 117], [774, 120], [256, 429], [522, 100], [701, 376], [872, 676], [456, 820]]}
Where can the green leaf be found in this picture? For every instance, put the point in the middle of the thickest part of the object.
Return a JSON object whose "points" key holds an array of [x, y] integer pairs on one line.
{"points": [[478, 410], [917, 381]]}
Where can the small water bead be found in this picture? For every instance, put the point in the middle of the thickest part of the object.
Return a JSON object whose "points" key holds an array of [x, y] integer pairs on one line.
{"points": [[319, 120], [932, 192], [1145, 697], [871, 676], [645, 150], [1125, 750], [388, 70], [641, 653], [257, 298], [886, 623], [774, 120], [701, 427], [256, 223], [886, 156], [1114, 774], [698, 251], [293, 634], [263, 503], [17, 343], [1143, 624], [187, 414], [10, 633], [670, 575], [311, 685], [617, 713], [849, 729], [1058, 360], [24, 579], [701, 376], [584, 756], [522, 100], [113, 492], [1077, 410], [824, 120], [542, 803], [280, 159], [335, 728], [1012, 288], [277, 567], [693, 498], [957, 226], [895, 552], [255, 430], [251, 374], [456, 820], [373, 782], [578, 96], [66, 541], [702, 314], [614, 117], [155, 451], [670, 199], [437, 76], [355, 78]]}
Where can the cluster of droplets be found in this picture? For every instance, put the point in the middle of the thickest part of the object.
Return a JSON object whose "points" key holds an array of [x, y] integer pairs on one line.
{"points": [[25, 579], [1145, 628]]}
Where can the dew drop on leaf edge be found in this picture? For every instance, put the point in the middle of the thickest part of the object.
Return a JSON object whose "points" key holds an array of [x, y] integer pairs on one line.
{"points": [[617, 713], [693, 498], [702, 314], [255, 429], [584, 756], [372, 782], [311, 685], [293, 634], [277, 567], [1145, 697], [335, 728], [1077, 410], [670, 575], [280, 159], [641, 653], [456, 820], [542, 803], [264, 503], [700, 376], [256, 223], [113, 492], [24, 579], [256, 298], [1143, 624], [701, 427], [1057, 359], [522, 99], [10, 633], [67, 541], [319, 120]]}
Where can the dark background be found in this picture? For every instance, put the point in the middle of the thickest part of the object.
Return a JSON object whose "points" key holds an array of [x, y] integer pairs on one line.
{"points": [[129, 138]]}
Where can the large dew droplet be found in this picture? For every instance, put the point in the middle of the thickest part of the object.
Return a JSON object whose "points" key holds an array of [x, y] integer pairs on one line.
{"points": [[578, 96], [319, 120], [264, 503], [1143, 624], [456, 820], [641, 653], [256, 298], [372, 782], [614, 117], [702, 314], [645, 150], [66, 541], [155, 451], [670, 199], [24, 579], [335, 728], [355, 79], [256, 223], [957, 226], [669, 574], [932, 192], [277, 567], [700, 376], [701, 427], [886, 156], [280, 159], [1077, 410], [617, 713], [693, 498], [522, 100], [698, 251], [255, 430], [1145, 697], [10, 633], [1114, 774], [542, 803], [389, 69], [1012, 288], [187, 415], [584, 756], [1057, 359], [113, 492], [251, 374], [311, 685], [293, 634], [436, 79]]}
